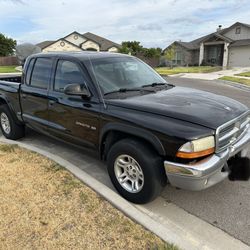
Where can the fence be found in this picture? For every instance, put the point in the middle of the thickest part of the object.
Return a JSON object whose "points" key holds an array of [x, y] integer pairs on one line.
{"points": [[8, 61], [153, 61]]}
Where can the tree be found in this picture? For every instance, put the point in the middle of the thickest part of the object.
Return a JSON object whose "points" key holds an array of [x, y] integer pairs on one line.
{"points": [[132, 47], [169, 54], [152, 52], [7, 45]]}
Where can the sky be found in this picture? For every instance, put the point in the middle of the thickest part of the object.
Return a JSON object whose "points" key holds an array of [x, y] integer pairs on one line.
{"points": [[155, 23]]}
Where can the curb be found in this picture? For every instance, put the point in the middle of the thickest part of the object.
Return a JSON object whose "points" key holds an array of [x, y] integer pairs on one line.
{"points": [[171, 230], [235, 84]]}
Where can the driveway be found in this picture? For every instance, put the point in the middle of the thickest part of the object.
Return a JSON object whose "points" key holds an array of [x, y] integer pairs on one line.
{"points": [[226, 205]]}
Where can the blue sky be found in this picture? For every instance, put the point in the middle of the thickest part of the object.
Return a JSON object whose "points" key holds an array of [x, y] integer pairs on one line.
{"points": [[152, 22]]}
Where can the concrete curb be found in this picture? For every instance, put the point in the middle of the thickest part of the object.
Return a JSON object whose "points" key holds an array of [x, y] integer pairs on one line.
{"points": [[235, 84], [171, 231]]}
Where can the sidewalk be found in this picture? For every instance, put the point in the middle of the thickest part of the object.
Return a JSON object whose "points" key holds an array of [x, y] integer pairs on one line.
{"points": [[214, 75]]}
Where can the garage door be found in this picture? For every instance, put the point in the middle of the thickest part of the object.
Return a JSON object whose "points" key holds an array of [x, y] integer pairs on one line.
{"points": [[239, 56]]}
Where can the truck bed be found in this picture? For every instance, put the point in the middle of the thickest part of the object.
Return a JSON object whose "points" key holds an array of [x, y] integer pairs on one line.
{"points": [[12, 78]]}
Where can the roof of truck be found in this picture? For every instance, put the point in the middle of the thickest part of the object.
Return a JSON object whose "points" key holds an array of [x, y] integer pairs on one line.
{"points": [[81, 55]]}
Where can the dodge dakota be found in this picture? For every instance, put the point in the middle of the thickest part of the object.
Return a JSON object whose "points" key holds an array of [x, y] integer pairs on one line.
{"points": [[149, 132]]}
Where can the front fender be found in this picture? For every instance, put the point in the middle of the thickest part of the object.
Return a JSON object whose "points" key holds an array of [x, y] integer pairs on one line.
{"points": [[138, 132]]}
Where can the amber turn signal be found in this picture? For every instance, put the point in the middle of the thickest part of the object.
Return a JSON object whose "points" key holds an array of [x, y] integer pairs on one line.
{"points": [[193, 155]]}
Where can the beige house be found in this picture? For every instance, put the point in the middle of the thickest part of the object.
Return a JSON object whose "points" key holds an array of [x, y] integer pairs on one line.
{"points": [[79, 42], [228, 47]]}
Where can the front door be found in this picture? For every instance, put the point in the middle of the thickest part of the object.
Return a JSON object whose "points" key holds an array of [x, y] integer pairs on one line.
{"points": [[72, 118]]}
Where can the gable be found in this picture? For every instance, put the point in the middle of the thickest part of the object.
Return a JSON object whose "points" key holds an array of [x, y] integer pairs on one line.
{"points": [[61, 45], [232, 32], [89, 45], [113, 49], [75, 38], [104, 43]]}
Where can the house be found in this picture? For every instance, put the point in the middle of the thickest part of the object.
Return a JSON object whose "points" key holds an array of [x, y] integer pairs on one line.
{"points": [[228, 47], [79, 42]]}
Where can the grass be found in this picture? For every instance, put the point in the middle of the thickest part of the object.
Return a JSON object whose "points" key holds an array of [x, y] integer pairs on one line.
{"points": [[247, 74], [43, 206], [236, 79], [177, 70], [8, 69]]}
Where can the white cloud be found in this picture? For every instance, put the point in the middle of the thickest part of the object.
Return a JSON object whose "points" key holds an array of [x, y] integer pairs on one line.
{"points": [[153, 22]]}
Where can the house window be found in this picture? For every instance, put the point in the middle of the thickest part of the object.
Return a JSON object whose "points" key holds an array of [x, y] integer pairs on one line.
{"points": [[178, 57], [237, 30]]}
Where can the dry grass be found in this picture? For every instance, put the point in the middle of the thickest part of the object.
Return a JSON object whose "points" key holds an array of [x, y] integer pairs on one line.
{"points": [[44, 207], [247, 74], [236, 79], [194, 69]]}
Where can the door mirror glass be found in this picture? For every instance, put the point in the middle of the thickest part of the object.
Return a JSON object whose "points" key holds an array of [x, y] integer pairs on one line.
{"points": [[76, 89]]}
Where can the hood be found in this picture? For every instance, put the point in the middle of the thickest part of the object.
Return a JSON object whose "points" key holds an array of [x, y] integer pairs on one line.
{"points": [[186, 104]]}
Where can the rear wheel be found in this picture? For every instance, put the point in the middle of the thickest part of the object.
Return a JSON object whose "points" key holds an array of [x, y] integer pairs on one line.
{"points": [[9, 127], [136, 171]]}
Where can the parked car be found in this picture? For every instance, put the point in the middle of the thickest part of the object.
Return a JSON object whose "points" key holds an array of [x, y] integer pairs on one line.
{"points": [[148, 131]]}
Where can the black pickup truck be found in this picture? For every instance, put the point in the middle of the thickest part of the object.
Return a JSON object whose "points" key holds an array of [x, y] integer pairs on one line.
{"points": [[149, 132]]}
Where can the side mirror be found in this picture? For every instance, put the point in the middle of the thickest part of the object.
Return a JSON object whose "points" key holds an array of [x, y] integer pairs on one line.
{"points": [[76, 89]]}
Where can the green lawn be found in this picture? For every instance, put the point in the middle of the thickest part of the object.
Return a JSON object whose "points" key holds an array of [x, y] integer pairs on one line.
{"points": [[244, 74], [8, 69], [236, 79], [177, 70]]}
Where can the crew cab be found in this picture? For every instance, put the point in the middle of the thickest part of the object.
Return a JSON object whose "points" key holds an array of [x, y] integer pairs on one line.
{"points": [[149, 132]]}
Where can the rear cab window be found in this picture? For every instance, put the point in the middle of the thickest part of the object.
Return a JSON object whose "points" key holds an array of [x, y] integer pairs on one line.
{"points": [[40, 76], [29, 70]]}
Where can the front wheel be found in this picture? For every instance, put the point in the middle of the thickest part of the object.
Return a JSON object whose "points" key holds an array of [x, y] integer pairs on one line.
{"points": [[10, 129], [136, 171]]}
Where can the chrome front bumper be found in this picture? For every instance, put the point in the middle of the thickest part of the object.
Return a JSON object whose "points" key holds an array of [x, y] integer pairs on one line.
{"points": [[204, 173]]}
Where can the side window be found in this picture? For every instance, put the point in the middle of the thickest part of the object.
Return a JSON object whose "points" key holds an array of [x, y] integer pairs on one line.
{"points": [[67, 73], [41, 73], [29, 70]]}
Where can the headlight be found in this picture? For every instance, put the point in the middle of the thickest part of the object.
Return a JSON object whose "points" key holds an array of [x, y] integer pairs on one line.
{"points": [[197, 148]]}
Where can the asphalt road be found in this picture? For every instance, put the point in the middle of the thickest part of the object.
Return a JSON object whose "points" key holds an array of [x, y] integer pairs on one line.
{"points": [[226, 205]]}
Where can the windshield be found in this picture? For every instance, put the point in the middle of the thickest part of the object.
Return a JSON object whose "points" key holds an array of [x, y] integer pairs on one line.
{"points": [[115, 73]]}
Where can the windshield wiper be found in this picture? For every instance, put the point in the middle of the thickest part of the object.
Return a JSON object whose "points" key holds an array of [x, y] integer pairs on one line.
{"points": [[123, 90], [157, 84]]}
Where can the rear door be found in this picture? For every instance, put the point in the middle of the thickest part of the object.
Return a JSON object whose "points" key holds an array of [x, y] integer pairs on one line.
{"points": [[73, 118], [34, 91]]}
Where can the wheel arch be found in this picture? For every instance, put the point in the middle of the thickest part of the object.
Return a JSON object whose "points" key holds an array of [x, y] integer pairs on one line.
{"points": [[111, 133], [4, 101]]}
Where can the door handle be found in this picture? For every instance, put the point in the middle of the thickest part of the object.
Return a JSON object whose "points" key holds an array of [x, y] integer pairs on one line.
{"points": [[24, 96]]}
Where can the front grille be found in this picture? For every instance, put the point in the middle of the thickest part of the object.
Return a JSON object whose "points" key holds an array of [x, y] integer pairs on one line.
{"points": [[232, 131]]}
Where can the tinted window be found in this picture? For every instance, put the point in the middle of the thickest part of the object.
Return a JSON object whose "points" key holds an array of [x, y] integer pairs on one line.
{"points": [[67, 73], [41, 73], [29, 70]]}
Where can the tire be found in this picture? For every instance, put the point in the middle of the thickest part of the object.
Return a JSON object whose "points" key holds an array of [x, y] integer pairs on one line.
{"points": [[10, 129], [141, 166]]}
